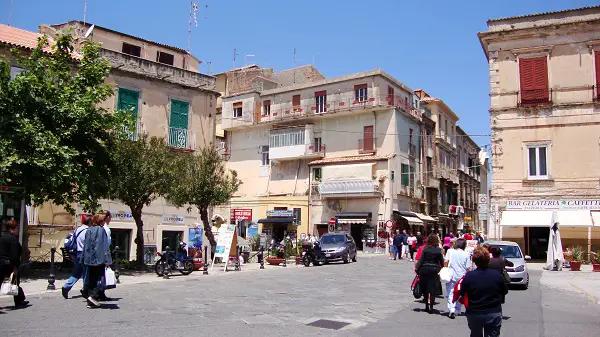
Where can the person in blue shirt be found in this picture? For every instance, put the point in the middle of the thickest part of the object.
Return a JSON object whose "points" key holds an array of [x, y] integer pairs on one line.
{"points": [[405, 250], [397, 245], [79, 269]]}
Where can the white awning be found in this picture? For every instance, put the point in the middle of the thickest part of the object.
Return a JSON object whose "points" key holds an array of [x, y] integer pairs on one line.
{"points": [[352, 221], [596, 218], [578, 218], [413, 221], [424, 217], [526, 218]]}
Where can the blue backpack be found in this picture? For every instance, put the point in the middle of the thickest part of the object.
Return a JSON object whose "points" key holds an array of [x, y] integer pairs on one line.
{"points": [[71, 244]]}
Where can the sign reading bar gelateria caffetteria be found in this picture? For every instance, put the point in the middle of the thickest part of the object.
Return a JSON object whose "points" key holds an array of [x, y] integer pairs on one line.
{"points": [[560, 204], [280, 213]]}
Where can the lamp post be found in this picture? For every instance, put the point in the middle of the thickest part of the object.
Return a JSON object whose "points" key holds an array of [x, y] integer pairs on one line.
{"points": [[51, 277]]}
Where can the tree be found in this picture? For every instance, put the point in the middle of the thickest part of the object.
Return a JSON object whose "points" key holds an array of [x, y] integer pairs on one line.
{"points": [[55, 139], [144, 172], [203, 181]]}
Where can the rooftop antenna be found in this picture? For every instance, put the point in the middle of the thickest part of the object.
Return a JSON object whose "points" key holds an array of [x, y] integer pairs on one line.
{"points": [[234, 56], [10, 12], [209, 67], [84, 12], [294, 65]]}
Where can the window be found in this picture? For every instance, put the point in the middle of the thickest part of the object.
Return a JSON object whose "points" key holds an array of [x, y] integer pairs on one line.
{"points": [[128, 100], [266, 108], [318, 143], [317, 173], [537, 157], [178, 124], [411, 181], [286, 137], [360, 93], [390, 96], [165, 58], [264, 150], [297, 215], [533, 74], [237, 109], [404, 177], [131, 49], [296, 102], [321, 101], [368, 140]]}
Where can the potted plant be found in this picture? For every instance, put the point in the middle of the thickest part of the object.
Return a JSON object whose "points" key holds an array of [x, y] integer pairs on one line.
{"points": [[595, 259], [576, 258]]}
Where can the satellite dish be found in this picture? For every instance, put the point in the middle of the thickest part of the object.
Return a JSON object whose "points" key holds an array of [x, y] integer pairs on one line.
{"points": [[89, 31]]}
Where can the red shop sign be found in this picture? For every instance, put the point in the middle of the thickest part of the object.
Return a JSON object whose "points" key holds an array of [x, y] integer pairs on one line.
{"points": [[241, 214]]}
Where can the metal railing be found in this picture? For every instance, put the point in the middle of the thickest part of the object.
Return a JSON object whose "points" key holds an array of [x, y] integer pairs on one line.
{"points": [[366, 145], [412, 150], [138, 130], [181, 138]]}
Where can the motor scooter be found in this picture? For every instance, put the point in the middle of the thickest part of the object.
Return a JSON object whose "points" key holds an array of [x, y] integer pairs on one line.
{"points": [[169, 260], [312, 253]]}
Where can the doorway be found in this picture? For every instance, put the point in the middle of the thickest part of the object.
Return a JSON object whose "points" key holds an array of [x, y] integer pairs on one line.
{"points": [[171, 239], [121, 238], [322, 230], [356, 231], [536, 241]]}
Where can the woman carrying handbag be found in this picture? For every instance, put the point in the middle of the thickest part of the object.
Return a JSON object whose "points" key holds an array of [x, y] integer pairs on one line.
{"points": [[10, 260]]}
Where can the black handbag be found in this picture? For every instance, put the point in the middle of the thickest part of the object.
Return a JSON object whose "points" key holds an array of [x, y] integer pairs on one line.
{"points": [[416, 288]]}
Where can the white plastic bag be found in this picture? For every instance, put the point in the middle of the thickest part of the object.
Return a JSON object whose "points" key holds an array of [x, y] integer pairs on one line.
{"points": [[9, 287], [109, 277], [446, 275]]}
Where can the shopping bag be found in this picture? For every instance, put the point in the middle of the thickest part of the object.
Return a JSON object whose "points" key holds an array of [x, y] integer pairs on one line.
{"points": [[110, 279], [446, 274], [464, 300], [10, 287]]}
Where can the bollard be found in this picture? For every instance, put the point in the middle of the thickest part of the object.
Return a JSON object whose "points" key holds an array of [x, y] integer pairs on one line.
{"points": [[237, 259], [51, 278], [285, 255], [117, 261], [205, 271], [166, 266], [261, 257]]}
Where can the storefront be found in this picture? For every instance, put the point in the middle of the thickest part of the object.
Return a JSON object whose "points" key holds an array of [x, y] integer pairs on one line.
{"points": [[528, 223], [241, 217], [279, 224], [357, 224], [414, 222]]}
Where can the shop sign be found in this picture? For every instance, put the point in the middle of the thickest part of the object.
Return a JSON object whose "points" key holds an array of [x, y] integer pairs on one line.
{"points": [[121, 216], [241, 214], [195, 241], [173, 218], [280, 213], [556, 204]]}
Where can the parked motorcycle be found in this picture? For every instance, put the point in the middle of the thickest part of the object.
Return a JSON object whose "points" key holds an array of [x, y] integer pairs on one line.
{"points": [[169, 261], [311, 253]]}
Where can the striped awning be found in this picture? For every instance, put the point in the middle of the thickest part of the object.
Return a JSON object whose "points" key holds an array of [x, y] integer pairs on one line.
{"points": [[352, 221], [413, 220]]}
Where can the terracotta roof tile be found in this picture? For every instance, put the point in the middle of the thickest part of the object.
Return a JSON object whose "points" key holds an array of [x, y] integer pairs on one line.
{"points": [[351, 159], [25, 39], [544, 13]]}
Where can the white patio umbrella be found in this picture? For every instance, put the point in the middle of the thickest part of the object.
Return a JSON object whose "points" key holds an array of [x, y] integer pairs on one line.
{"points": [[555, 256]]}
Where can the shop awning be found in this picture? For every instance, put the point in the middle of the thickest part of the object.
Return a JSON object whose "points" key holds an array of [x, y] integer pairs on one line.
{"points": [[424, 217], [354, 215], [578, 218], [596, 218], [286, 220], [526, 218], [413, 220], [352, 221]]}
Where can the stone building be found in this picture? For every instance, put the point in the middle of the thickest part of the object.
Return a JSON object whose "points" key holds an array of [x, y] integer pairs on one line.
{"points": [[545, 119]]}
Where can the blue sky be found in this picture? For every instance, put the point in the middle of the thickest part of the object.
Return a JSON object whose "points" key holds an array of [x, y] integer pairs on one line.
{"points": [[431, 45]]}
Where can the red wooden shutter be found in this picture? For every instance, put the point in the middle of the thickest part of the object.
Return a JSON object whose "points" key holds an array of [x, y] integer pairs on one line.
{"points": [[540, 66], [368, 138], [390, 98], [597, 54], [534, 80], [296, 100]]}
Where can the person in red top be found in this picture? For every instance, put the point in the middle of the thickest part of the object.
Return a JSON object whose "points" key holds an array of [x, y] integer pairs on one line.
{"points": [[468, 236]]}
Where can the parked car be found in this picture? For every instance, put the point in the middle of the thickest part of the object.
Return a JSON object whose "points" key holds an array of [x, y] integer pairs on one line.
{"points": [[519, 275], [338, 247]]}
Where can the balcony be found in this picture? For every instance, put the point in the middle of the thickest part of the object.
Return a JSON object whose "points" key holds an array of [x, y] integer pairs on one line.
{"points": [[535, 97], [366, 146], [349, 188], [139, 130], [183, 139], [302, 151], [412, 150]]}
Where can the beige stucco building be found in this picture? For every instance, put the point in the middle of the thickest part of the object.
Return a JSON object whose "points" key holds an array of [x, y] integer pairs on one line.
{"points": [[545, 120], [161, 85]]}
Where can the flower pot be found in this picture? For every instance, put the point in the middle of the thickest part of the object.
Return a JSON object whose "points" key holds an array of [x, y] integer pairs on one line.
{"points": [[275, 261], [596, 267], [575, 265]]}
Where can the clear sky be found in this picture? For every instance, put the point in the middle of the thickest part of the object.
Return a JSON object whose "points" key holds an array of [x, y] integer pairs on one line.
{"points": [[429, 45]]}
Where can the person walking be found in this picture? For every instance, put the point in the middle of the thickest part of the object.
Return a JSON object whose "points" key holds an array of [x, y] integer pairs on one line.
{"points": [[499, 263], [459, 262], [405, 248], [79, 269], [479, 238], [419, 239], [10, 259], [485, 289], [96, 256], [391, 248], [398, 245], [412, 245], [428, 268], [446, 245]]}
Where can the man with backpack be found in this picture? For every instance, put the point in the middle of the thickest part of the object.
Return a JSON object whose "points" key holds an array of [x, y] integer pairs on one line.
{"points": [[74, 246]]}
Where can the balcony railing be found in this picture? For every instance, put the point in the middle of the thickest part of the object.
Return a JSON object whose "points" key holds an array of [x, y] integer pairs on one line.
{"points": [[181, 138], [346, 187], [412, 150], [366, 145], [139, 129], [535, 97]]}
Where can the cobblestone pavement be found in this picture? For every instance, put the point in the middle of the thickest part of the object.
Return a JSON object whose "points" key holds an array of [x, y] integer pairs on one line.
{"points": [[371, 295]]}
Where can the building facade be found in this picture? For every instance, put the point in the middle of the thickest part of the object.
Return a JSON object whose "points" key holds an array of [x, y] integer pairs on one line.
{"points": [[545, 120], [161, 85]]}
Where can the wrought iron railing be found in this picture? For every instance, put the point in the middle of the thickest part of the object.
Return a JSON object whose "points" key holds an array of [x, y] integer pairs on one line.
{"points": [[181, 138], [535, 97]]}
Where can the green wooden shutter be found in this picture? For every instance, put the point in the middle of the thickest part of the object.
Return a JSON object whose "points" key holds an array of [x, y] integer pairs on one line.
{"points": [[404, 174], [128, 101], [178, 124]]}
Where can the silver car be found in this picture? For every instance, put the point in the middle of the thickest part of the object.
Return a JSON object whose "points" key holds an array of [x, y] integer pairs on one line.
{"points": [[519, 275], [338, 247]]}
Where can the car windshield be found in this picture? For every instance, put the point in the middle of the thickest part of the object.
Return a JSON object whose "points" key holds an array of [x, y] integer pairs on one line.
{"points": [[511, 252], [330, 239]]}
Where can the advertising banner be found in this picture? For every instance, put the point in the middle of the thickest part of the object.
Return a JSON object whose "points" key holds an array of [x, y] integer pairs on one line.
{"points": [[173, 218], [241, 214], [124, 216], [226, 233], [195, 241], [252, 231], [471, 245]]}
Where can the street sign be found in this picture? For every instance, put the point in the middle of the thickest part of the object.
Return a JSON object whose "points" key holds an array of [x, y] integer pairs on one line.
{"points": [[332, 221]]}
